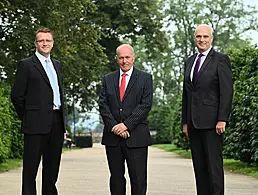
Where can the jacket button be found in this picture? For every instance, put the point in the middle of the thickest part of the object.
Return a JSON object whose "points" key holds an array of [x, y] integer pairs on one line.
{"points": [[121, 109]]}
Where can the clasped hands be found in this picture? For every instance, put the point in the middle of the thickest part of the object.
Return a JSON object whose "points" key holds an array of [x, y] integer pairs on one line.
{"points": [[121, 130]]}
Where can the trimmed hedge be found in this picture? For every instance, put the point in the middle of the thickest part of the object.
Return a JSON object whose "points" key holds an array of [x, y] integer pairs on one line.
{"points": [[5, 126], [241, 140], [11, 141]]}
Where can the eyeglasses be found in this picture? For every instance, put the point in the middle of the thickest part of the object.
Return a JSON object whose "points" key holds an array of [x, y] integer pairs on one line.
{"points": [[42, 41]]}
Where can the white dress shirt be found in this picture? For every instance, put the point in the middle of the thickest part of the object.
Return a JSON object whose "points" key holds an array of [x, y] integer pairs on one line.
{"points": [[127, 78], [42, 60], [202, 60]]}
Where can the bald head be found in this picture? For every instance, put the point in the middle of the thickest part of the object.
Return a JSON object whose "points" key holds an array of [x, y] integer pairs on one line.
{"points": [[203, 37], [127, 46]]}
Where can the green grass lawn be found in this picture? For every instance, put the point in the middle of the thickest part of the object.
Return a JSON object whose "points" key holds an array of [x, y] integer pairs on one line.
{"points": [[229, 164], [15, 163], [10, 164]]}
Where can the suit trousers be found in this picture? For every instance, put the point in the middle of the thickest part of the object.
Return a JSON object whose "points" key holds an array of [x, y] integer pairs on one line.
{"points": [[49, 147], [206, 148], [136, 159]]}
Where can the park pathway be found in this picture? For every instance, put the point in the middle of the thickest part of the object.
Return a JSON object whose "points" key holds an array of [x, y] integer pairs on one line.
{"points": [[85, 172]]}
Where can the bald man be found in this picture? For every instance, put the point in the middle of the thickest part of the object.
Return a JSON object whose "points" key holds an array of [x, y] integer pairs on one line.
{"points": [[206, 107], [124, 103]]}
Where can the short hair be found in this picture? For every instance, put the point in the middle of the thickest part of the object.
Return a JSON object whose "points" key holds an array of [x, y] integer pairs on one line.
{"points": [[204, 25], [44, 30], [127, 45]]}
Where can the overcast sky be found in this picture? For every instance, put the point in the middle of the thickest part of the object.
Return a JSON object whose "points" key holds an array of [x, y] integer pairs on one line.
{"points": [[253, 34]]}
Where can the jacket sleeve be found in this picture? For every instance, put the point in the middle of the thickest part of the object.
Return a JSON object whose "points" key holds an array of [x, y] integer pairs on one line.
{"points": [[226, 89], [108, 119], [19, 88]]}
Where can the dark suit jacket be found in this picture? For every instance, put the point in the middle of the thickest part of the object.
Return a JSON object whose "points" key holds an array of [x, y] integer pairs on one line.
{"points": [[32, 95], [132, 111], [209, 99]]}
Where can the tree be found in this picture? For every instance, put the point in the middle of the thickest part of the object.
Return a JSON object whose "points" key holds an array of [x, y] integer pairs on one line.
{"points": [[83, 30], [76, 43], [129, 21]]}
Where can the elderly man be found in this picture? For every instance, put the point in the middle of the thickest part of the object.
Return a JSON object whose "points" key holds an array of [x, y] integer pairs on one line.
{"points": [[124, 103]]}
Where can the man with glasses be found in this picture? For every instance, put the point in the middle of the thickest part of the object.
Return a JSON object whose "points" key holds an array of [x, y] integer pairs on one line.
{"points": [[38, 100]]}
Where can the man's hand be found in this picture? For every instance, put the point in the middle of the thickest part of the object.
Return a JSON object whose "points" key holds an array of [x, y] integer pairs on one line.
{"points": [[185, 129], [125, 134], [220, 127], [119, 129]]}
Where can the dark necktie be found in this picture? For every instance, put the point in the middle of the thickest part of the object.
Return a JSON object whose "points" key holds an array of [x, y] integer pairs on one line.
{"points": [[196, 67], [122, 86]]}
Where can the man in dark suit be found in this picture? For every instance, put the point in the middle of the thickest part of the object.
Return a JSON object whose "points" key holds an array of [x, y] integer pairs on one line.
{"points": [[38, 100], [206, 107], [124, 103]]}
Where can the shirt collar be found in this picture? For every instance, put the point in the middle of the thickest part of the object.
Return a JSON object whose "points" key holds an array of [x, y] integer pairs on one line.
{"points": [[41, 57], [206, 52], [129, 72]]}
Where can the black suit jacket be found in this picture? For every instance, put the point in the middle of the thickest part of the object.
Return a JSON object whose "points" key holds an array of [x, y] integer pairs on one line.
{"points": [[132, 111], [32, 95], [209, 99]]}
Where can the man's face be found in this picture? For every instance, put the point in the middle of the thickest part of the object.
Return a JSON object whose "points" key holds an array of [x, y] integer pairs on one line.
{"points": [[203, 38], [125, 58], [44, 43]]}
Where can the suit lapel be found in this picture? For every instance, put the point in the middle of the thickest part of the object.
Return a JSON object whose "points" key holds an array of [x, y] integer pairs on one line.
{"points": [[40, 68], [131, 82], [205, 63], [116, 85], [189, 69]]}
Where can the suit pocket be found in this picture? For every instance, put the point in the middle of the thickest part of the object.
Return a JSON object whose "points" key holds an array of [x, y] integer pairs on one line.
{"points": [[31, 107], [210, 102]]}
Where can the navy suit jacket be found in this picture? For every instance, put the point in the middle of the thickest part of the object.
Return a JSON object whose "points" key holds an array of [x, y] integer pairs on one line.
{"points": [[132, 111], [209, 99]]}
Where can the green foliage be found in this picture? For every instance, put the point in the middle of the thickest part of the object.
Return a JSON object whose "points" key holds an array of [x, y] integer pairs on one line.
{"points": [[129, 21], [166, 120], [5, 125], [240, 167], [3, 4], [229, 164], [242, 138], [178, 137], [159, 120], [11, 141], [15, 136], [10, 164]]}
